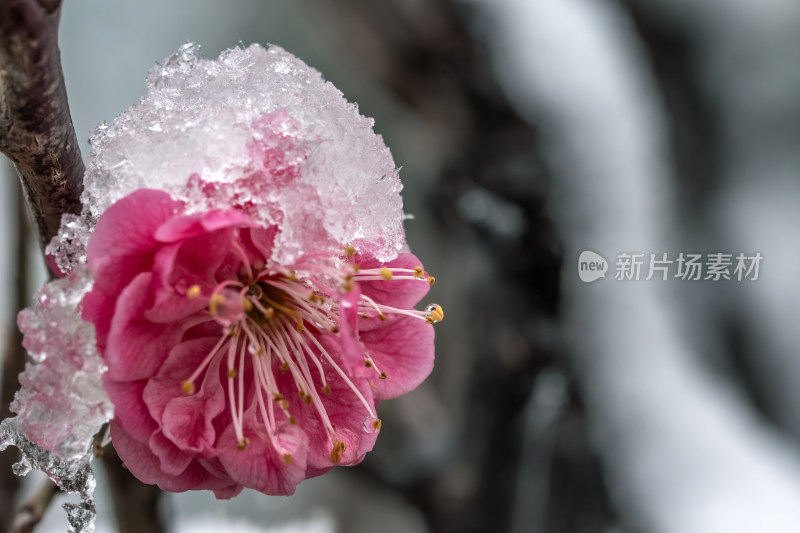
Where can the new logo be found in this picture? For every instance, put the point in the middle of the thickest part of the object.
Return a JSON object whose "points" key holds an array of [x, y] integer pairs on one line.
{"points": [[591, 266]]}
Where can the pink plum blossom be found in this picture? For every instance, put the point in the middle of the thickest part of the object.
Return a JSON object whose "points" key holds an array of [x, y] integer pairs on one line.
{"points": [[228, 370], [237, 287]]}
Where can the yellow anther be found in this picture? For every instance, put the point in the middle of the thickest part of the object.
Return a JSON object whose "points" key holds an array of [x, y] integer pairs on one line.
{"points": [[193, 291], [284, 404], [247, 305], [382, 316], [431, 280], [368, 363], [269, 313], [386, 273], [383, 375], [231, 372], [336, 452], [187, 387], [326, 389], [293, 276], [305, 396], [348, 285], [349, 250], [435, 313], [418, 272], [356, 267], [376, 424], [277, 396], [284, 367], [216, 300], [287, 458], [363, 315], [335, 330], [242, 444], [292, 420]]}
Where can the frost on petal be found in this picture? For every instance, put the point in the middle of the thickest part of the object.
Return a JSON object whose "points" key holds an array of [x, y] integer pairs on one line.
{"points": [[260, 130], [62, 403]]}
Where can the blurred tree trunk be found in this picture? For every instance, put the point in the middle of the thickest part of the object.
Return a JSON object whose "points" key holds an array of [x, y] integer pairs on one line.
{"points": [[428, 57]]}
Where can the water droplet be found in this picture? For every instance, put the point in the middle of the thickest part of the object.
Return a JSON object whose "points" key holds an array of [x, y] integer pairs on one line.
{"points": [[372, 424]]}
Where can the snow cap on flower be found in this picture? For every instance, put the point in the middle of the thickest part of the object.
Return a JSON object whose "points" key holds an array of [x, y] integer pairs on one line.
{"points": [[333, 181]]}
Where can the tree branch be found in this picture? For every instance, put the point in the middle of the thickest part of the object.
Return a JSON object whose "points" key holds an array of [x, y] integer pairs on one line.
{"points": [[36, 130], [13, 361], [32, 512], [135, 504]]}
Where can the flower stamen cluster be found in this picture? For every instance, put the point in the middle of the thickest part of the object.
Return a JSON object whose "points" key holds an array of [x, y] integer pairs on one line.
{"points": [[272, 320]]}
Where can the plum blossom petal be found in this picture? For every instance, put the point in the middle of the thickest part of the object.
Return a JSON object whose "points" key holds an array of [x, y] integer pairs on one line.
{"points": [[403, 349], [135, 345], [271, 464]]}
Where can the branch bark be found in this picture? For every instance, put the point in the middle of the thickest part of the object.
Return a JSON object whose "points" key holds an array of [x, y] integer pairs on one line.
{"points": [[33, 511], [13, 364], [36, 130], [135, 504]]}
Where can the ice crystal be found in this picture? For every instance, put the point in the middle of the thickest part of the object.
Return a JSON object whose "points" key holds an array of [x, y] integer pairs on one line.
{"points": [[68, 249], [62, 403], [71, 475], [59, 414]]}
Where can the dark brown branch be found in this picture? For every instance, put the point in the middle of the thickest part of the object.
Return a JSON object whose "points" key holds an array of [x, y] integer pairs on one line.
{"points": [[36, 130], [13, 364], [33, 510], [135, 504]]}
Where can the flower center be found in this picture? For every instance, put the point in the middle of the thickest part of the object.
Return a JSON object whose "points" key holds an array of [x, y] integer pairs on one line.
{"points": [[275, 321]]}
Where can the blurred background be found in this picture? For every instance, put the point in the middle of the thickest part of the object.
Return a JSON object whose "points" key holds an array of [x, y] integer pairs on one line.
{"points": [[527, 132]]}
